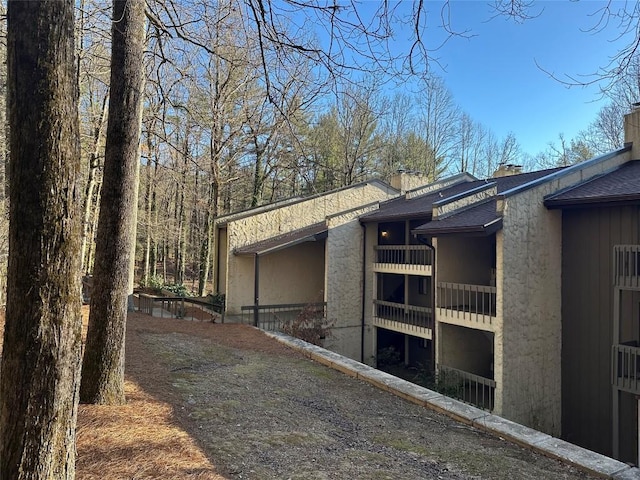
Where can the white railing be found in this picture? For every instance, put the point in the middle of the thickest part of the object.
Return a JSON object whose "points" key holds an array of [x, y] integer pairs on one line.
{"points": [[625, 373], [403, 254], [406, 314], [465, 386], [626, 266], [462, 299]]}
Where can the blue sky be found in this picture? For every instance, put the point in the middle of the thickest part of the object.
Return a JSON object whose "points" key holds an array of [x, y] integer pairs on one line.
{"points": [[494, 78]]}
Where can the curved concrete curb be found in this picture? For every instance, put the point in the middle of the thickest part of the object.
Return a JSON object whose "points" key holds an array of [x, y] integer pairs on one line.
{"points": [[582, 458]]}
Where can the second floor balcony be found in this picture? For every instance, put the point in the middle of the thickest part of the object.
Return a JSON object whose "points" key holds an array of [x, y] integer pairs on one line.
{"points": [[403, 318], [403, 259], [625, 361], [467, 305]]}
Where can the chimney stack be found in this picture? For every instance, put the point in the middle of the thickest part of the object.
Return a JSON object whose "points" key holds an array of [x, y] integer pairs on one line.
{"points": [[506, 169], [407, 180], [632, 130]]}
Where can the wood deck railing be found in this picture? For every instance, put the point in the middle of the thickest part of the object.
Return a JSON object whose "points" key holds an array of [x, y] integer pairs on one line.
{"points": [[626, 266], [403, 254], [405, 314], [465, 386], [625, 367], [462, 299]]}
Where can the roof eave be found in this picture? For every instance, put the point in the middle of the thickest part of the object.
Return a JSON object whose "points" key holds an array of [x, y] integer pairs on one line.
{"points": [[476, 230], [604, 201]]}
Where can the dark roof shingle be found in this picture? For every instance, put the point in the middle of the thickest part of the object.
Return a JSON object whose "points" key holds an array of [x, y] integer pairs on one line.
{"points": [[619, 186], [480, 219], [422, 206], [312, 233]]}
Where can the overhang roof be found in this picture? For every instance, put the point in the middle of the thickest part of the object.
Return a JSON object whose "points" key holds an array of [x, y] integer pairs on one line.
{"points": [[479, 219], [421, 207], [416, 207], [312, 233], [620, 186]]}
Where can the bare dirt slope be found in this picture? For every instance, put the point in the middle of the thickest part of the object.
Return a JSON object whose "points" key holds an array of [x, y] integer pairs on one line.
{"points": [[244, 406]]}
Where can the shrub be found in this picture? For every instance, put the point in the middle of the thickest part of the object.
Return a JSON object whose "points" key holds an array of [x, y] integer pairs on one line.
{"points": [[153, 281], [388, 357], [178, 290], [216, 299], [310, 325]]}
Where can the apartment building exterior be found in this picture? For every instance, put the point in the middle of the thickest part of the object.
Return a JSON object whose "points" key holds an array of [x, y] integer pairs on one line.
{"points": [[525, 288], [272, 261]]}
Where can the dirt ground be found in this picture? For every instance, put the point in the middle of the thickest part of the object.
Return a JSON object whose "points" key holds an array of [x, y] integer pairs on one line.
{"points": [[210, 401]]}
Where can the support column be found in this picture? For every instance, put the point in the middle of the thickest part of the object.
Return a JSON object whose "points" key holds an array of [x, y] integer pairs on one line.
{"points": [[256, 289]]}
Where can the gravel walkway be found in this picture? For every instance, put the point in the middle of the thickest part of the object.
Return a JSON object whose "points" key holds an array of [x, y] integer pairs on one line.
{"points": [[259, 410]]}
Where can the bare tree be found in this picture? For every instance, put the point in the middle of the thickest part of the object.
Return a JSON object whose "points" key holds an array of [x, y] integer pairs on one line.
{"points": [[42, 337], [438, 118], [103, 364]]}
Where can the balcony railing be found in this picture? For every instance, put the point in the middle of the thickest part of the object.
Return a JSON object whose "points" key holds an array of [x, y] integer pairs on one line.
{"points": [[273, 317], [403, 254], [625, 363], [465, 386], [406, 314], [463, 299], [626, 266]]}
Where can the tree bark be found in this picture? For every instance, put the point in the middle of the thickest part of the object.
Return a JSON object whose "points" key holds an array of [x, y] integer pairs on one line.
{"points": [[89, 192], [42, 337], [103, 364]]}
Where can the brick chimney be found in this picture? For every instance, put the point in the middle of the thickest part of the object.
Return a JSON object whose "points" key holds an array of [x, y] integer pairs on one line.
{"points": [[406, 180], [506, 169], [632, 130]]}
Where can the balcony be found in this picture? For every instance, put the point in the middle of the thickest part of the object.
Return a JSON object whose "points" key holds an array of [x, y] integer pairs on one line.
{"points": [[626, 367], [403, 259], [468, 387], [467, 305], [403, 318], [626, 266]]}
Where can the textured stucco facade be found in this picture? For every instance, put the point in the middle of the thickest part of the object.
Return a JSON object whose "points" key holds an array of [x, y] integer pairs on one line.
{"points": [[529, 290], [528, 347], [344, 281], [247, 229]]}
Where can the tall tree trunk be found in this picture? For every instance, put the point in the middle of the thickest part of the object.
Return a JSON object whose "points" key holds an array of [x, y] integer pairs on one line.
{"points": [[42, 341], [103, 364], [90, 188], [93, 226], [258, 174], [207, 244], [182, 217]]}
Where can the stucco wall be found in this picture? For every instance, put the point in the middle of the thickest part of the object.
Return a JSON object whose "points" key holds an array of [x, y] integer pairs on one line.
{"points": [[530, 357], [266, 224], [263, 225], [464, 259], [220, 261], [293, 275], [344, 282], [466, 349], [370, 341], [446, 206], [240, 284], [528, 347]]}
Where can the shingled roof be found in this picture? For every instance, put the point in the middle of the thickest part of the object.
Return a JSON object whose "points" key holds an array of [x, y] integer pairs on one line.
{"points": [[312, 233], [617, 187], [417, 207], [421, 207], [480, 219]]}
